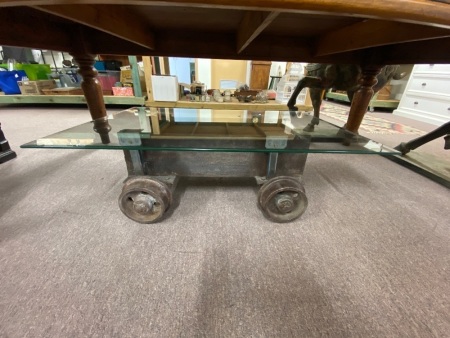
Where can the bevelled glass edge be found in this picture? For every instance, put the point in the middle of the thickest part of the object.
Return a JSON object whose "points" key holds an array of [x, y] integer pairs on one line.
{"points": [[384, 151]]}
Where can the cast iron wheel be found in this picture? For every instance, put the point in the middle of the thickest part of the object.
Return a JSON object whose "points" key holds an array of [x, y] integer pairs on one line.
{"points": [[144, 199], [282, 199]]}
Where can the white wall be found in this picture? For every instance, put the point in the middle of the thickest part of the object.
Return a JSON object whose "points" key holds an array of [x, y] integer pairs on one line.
{"points": [[181, 68], [277, 67], [203, 71]]}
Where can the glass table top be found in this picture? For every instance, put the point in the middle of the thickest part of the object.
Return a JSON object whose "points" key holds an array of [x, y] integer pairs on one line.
{"points": [[180, 129]]}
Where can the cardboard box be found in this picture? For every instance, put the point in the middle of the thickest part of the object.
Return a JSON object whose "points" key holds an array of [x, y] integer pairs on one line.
{"points": [[63, 91], [165, 88], [126, 76], [35, 87]]}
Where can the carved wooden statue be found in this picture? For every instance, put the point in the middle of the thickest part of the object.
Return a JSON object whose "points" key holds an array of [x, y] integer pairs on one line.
{"points": [[321, 77]]}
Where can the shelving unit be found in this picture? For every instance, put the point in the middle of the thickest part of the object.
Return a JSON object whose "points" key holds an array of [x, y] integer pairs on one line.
{"points": [[137, 100], [374, 103], [235, 104], [68, 99]]}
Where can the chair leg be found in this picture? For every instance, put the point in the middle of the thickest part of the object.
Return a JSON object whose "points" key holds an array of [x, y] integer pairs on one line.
{"points": [[6, 153]]}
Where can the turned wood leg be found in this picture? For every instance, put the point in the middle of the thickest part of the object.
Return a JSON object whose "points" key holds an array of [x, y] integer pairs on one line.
{"points": [[94, 95], [362, 97]]}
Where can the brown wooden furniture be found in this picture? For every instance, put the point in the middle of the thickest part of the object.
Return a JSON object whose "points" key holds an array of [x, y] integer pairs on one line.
{"points": [[259, 75], [365, 32]]}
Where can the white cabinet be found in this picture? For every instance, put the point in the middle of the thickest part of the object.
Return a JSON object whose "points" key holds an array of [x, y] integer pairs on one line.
{"points": [[427, 95]]}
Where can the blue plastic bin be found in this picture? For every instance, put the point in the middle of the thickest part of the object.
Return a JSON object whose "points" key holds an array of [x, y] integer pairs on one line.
{"points": [[8, 81], [99, 65]]}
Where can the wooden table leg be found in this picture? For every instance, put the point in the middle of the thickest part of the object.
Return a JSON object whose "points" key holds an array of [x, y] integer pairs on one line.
{"points": [[94, 95], [362, 97]]}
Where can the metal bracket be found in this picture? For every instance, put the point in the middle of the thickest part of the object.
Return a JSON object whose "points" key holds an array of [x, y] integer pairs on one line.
{"points": [[132, 138], [272, 165], [276, 142]]}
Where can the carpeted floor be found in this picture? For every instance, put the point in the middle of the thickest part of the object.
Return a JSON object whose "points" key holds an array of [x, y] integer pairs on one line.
{"points": [[370, 257], [382, 126], [371, 124]]}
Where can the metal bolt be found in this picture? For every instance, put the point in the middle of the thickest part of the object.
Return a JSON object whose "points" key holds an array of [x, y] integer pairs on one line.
{"points": [[284, 203], [143, 203]]}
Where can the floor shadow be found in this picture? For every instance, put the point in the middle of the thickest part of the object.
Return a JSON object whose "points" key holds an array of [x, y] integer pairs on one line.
{"points": [[185, 183], [244, 296]]}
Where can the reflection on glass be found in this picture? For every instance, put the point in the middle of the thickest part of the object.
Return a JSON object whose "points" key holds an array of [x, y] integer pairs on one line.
{"points": [[181, 129]]}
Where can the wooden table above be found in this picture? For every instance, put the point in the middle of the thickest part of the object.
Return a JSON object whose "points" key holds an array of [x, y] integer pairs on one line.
{"points": [[366, 32], [334, 31]]}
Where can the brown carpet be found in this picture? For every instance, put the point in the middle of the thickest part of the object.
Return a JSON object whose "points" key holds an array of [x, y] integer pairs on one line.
{"points": [[370, 257]]}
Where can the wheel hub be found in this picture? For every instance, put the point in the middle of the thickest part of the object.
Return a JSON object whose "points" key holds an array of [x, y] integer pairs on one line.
{"points": [[284, 203], [143, 204]]}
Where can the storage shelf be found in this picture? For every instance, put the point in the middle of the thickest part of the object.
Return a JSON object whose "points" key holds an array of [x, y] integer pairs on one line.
{"points": [[235, 104], [68, 99], [392, 104]]}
